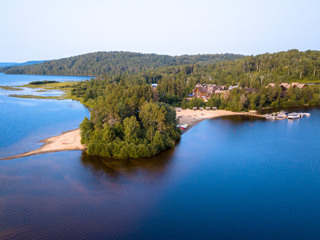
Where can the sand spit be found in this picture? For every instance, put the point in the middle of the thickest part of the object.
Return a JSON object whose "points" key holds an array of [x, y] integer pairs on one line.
{"points": [[66, 141]]}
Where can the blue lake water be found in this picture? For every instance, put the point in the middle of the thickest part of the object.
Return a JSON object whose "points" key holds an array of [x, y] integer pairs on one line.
{"points": [[18, 80], [228, 178], [23, 122]]}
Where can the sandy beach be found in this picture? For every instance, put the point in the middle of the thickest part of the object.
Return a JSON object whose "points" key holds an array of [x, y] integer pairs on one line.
{"points": [[71, 140], [66, 141], [192, 117]]}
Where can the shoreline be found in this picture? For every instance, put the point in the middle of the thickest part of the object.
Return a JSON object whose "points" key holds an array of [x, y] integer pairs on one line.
{"points": [[188, 116], [71, 140], [66, 141]]}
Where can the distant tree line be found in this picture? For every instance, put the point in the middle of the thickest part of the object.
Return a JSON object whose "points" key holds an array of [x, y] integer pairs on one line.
{"points": [[115, 63], [175, 83]]}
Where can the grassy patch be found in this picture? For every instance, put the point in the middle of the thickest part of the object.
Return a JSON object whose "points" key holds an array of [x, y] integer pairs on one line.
{"points": [[58, 85], [66, 87], [10, 88], [37, 97], [67, 95]]}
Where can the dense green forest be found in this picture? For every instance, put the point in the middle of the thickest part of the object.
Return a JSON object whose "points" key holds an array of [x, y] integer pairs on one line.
{"points": [[115, 63], [238, 100], [176, 82], [130, 119], [127, 122], [251, 71], [255, 71]]}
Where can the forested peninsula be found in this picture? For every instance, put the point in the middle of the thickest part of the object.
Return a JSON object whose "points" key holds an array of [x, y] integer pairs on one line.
{"points": [[133, 104], [128, 122]]}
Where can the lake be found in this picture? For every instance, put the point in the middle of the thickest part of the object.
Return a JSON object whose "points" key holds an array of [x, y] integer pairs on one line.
{"points": [[23, 122], [228, 178]]}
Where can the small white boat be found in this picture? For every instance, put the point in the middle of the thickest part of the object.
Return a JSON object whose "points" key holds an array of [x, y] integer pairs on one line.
{"points": [[271, 117], [307, 114], [281, 116], [293, 116]]}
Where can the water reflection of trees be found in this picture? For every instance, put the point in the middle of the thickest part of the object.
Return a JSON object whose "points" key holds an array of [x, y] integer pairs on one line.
{"points": [[119, 170]]}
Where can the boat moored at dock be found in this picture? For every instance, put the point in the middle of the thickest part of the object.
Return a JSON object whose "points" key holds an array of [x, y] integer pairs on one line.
{"points": [[305, 114], [281, 116], [285, 115], [271, 117], [293, 116]]}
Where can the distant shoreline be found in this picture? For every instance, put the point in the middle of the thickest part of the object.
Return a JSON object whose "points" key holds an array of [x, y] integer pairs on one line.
{"points": [[71, 140]]}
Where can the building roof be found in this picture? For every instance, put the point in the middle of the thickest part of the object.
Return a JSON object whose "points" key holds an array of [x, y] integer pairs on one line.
{"points": [[250, 90], [294, 84], [301, 85], [202, 89], [208, 88], [285, 85]]}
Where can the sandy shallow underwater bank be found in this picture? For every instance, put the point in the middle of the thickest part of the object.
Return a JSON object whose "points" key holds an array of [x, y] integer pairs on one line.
{"points": [[66, 141], [71, 140]]}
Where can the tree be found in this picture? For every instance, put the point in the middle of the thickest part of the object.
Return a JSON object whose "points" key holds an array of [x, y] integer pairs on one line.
{"points": [[243, 102], [214, 101], [184, 104], [86, 130], [131, 129], [195, 102], [262, 100]]}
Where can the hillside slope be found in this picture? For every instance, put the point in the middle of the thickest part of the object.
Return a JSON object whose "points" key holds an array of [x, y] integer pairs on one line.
{"points": [[7, 65], [113, 63], [289, 66]]}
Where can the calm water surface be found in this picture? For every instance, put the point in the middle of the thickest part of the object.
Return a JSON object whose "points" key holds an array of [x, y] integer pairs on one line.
{"points": [[228, 178], [18, 80], [23, 122]]}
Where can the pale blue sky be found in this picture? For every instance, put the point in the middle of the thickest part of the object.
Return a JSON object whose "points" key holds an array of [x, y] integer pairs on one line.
{"points": [[43, 29]]}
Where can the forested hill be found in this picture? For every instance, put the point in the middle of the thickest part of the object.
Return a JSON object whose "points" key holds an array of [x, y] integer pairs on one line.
{"points": [[288, 66], [114, 63], [249, 71], [176, 82], [7, 65]]}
